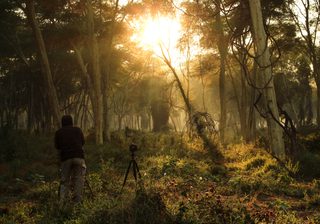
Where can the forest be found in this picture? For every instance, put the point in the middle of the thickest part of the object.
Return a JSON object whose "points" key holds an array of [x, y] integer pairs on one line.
{"points": [[220, 99]]}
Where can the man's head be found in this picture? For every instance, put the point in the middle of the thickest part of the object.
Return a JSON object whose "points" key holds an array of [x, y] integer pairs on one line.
{"points": [[66, 120]]}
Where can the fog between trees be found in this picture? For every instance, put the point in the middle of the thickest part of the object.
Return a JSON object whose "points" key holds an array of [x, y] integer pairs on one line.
{"points": [[251, 66]]}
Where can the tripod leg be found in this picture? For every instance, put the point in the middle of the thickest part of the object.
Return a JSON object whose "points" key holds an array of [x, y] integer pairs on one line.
{"points": [[126, 176], [134, 170], [135, 164]]}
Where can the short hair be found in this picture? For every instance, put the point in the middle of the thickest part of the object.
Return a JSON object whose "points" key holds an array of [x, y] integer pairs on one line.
{"points": [[66, 120]]}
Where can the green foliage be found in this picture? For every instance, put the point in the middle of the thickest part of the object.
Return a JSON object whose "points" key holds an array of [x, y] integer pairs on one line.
{"points": [[309, 157], [245, 185], [311, 139], [180, 184], [309, 165], [255, 163]]}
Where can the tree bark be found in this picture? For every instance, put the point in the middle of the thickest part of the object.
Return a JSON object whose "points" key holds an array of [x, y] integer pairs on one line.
{"points": [[45, 66], [252, 113], [222, 47], [106, 78], [160, 115], [264, 71], [84, 72], [96, 76]]}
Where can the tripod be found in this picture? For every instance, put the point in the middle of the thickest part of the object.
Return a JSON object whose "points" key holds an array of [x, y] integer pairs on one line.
{"points": [[135, 170]]}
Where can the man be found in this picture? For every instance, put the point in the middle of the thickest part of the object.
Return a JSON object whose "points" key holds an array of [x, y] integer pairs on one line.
{"points": [[69, 141]]}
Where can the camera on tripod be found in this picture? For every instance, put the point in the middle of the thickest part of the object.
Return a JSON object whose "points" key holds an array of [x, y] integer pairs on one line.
{"points": [[133, 147], [133, 163]]}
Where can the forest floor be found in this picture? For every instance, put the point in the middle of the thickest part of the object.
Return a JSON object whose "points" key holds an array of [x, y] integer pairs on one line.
{"points": [[180, 183]]}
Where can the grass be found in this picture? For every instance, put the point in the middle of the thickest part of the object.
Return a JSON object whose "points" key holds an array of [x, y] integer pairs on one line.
{"points": [[180, 184]]}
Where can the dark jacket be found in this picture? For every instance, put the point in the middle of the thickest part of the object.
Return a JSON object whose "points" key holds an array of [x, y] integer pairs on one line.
{"points": [[69, 141]]}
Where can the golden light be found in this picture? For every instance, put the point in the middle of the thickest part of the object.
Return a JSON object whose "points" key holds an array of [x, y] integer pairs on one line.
{"points": [[154, 33]]}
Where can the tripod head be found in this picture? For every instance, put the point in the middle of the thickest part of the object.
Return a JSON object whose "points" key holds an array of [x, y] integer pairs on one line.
{"points": [[136, 173], [133, 148]]}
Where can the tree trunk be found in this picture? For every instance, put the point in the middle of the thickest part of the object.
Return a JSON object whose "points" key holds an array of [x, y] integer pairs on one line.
{"points": [[240, 100], [106, 78], [45, 67], [160, 115], [96, 76], [252, 113], [244, 108], [222, 47], [264, 71]]}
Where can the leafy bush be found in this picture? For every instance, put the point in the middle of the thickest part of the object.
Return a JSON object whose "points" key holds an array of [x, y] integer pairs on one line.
{"points": [[309, 165], [311, 141]]}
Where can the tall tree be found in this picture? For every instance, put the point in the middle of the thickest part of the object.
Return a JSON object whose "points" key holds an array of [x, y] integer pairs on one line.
{"points": [[45, 66], [96, 74], [223, 49], [106, 78], [265, 75]]}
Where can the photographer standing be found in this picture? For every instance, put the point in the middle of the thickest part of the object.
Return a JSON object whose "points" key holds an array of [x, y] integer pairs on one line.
{"points": [[69, 141]]}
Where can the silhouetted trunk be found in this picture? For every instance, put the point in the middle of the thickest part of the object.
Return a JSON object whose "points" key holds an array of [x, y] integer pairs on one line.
{"points": [[96, 76], [252, 112], [106, 78], [222, 47], [160, 115], [245, 114], [79, 107], [45, 67]]}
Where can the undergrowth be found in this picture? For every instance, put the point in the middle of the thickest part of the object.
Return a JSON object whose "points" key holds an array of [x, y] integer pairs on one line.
{"points": [[180, 184]]}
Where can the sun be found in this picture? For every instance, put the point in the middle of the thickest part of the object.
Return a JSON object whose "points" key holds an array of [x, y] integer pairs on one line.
{"points": [[160, 32]]}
